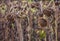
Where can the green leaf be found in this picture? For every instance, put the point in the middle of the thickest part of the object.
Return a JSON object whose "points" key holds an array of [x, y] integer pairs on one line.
{"points": [[33, 10], [3, 8], [12, 25], [42, 34], [30, 1], [2, 11]]}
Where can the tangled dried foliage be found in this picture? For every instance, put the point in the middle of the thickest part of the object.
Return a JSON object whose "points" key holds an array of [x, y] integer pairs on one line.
{"points": [[22, 20]]}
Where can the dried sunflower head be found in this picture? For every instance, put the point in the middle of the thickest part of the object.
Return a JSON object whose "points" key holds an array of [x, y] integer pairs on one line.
{"points": [[42, 22], [48, 12], [10, 18]]}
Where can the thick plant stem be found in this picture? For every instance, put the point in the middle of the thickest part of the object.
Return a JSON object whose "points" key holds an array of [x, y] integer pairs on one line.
{"points": [[20, 31]]}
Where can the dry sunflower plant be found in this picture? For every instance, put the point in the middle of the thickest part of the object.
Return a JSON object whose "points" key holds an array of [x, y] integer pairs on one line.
{"points": [[29, 20]]}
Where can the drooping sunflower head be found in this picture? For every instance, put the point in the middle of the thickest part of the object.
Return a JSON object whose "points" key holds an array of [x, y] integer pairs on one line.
{"points": [[42, 22]]}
